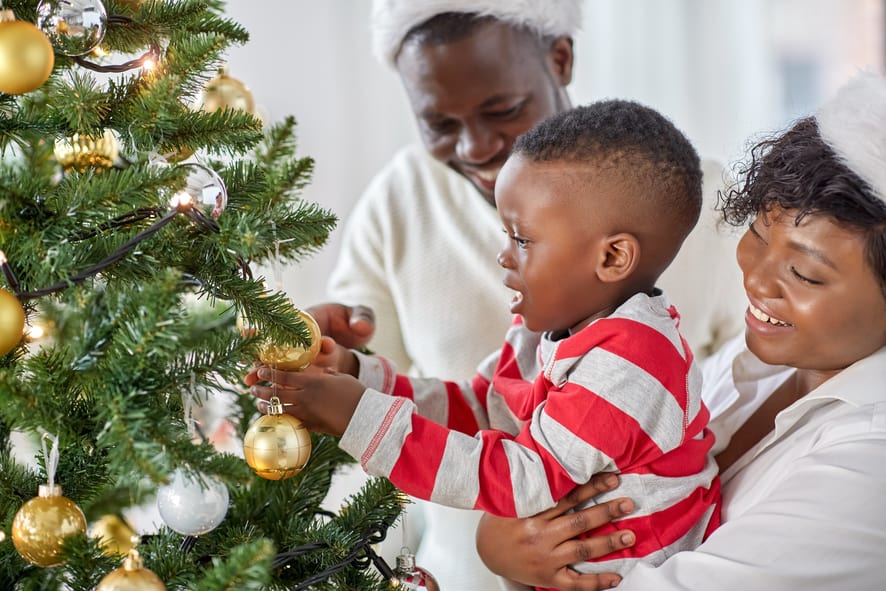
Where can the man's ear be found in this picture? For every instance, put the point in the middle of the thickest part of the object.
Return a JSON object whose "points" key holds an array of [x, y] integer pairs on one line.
{"points": [[561, 59], [619, 257]]}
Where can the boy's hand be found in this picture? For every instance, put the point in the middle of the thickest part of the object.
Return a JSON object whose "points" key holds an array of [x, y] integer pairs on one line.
{"points": [[324, 402]]}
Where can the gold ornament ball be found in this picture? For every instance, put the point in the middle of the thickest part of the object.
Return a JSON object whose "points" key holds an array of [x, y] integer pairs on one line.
{"points": [[277, 446], [42, 524], [292, 357], [26, 55], [82, 152], [12, 322], [114, 536], [225, 92], [178, 155], [132, 576]]}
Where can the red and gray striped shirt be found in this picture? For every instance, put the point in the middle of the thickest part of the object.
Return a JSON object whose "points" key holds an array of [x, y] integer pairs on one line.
{"points": [[543, 415]]}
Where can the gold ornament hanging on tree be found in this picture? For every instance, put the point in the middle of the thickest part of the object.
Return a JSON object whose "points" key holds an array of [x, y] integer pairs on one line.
{"points": [[12, 322], [26, 55], [224, 92], [277, 446], [81, 152], [113, 534], [42, 524], [132, 576]]}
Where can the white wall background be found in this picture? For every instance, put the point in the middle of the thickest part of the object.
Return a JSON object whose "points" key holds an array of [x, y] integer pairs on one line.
{"points": [[723, 70]]}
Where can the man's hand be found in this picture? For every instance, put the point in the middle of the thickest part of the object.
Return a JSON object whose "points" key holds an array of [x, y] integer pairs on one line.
{"points": [[538, 550], [350, 326], [333, 356]]}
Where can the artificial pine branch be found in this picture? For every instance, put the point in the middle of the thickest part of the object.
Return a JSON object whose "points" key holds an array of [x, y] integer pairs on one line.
{"points": [[141, 300]]}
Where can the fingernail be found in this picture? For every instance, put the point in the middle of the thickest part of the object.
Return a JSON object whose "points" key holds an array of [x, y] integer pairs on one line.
{"points": [[611, 481], [625, 507], [264, 373], [627, 538]]}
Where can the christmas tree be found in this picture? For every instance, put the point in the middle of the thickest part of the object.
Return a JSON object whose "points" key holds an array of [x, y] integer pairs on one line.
{"points": [[131, 223]]}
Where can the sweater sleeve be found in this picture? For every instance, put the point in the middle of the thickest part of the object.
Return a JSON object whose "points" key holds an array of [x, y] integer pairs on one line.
{"points": [[456, 405], [492, 470]]}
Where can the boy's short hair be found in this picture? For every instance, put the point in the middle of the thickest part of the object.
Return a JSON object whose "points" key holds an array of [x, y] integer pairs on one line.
{"points": [[636, 143]]}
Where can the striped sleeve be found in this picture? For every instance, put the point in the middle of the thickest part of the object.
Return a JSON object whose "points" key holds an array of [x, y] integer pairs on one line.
{"points": [[457, 405], [426, 460]]}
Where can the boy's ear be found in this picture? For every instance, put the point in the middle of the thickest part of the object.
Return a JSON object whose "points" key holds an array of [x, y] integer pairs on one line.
{"points": [[619, 258]]}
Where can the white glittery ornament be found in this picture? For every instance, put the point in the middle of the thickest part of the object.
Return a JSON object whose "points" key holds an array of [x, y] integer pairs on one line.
{"points": [[192, 506]]}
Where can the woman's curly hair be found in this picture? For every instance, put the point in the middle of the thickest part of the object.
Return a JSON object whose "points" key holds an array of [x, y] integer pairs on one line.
{"points": [[797, 170]]}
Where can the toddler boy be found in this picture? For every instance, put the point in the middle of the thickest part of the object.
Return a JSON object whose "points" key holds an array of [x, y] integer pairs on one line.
{"points": [[593, 375]]}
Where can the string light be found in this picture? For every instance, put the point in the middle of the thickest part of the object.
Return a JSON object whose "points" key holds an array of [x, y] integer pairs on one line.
{"points": [[152, 55], [34, 332], [181, 200]]}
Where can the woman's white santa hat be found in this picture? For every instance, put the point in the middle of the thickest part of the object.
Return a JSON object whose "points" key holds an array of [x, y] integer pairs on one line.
{"points": [[393, 19], [853, 124]]}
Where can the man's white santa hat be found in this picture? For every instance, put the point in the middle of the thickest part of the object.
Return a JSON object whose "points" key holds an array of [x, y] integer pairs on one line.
{"points": [[393, 19], [853, 124]]}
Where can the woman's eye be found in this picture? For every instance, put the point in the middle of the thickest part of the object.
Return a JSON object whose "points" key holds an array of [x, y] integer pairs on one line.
{"points": [[804, 278]]}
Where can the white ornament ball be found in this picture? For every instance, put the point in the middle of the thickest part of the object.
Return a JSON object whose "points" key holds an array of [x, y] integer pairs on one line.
{"points": [[192, 506]]}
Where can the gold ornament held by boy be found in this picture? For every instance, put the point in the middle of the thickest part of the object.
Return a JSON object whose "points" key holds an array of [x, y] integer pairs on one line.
{"points": [[277, 446], [292, 357]]}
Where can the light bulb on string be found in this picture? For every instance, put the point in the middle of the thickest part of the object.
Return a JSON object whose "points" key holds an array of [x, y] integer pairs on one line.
{"points": [[203, 189], [34, 332]]}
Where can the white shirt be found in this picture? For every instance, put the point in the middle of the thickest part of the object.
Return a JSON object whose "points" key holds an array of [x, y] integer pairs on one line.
{"points": [[805, 509]]}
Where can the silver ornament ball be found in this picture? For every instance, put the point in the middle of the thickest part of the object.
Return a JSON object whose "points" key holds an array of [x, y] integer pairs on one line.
{"points": [[74, 27]]}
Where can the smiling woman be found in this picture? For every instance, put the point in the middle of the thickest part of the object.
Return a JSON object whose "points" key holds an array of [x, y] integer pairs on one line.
{"points": [[799, 406]]}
